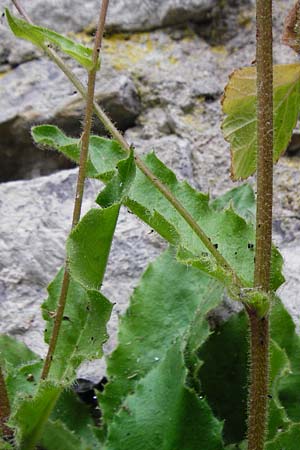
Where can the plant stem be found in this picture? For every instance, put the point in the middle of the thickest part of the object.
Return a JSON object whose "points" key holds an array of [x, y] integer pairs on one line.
{"points": [[4, 408], [85, 138], [115, 133], [259, 327]]}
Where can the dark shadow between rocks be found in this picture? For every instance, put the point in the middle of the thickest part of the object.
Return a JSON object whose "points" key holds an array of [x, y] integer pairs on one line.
{"points": [[21, 159]]}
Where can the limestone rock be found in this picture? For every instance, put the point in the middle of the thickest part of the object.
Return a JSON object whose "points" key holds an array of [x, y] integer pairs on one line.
{"points": [[36, 217], [38, 92]]}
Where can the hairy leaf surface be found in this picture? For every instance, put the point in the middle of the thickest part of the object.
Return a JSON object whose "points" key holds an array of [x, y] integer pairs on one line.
{"points": [[163, 413], [104, 154], [162, 308], [89, 244], [231, 233], [223, 375], [83, 330], [288, 440], [32, 415], [57, 436], [239, 105], [40, 37]]}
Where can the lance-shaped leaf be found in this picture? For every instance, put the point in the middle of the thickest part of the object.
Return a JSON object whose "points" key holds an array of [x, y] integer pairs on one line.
{"points": [[230, 233], [89, 244], [40, 37], [83, 330], [104, 154], [162, 308], [163, 413], [239, 105]]}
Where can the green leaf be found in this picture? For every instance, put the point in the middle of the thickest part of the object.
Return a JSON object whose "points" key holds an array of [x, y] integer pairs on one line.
{"points": [[284, 333], [22, 368], [162, 309], [14, 353], [76, 417], [42, 37], [23, 380], [224, 372], [83, 330], [89, 244], [57, 436], [118, 187], [104, 154], [163, 413], [239, 105], [32, 415], [5, 445], [279, 368], [233, 236], [288, 440], [241, 198], [223, 375]]}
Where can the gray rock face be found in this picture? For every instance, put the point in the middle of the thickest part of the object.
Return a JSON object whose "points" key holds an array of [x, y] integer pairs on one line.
{"points": [[38, 92], [163, 87], [123, 15], [39, 211], [129, 15]]}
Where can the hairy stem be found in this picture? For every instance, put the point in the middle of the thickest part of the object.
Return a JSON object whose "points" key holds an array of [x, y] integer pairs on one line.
{"points": [[259, 327], [258, 393], [80, 180], [115, 133], [4, 408]]}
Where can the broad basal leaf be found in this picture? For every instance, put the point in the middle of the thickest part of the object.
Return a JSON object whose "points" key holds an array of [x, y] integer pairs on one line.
{"points": [[162, 308], [40, 37], [239, 105], [223, 375], [164, 414]]}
